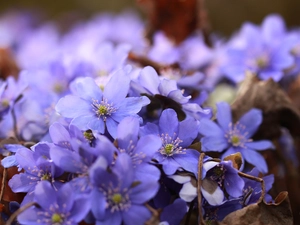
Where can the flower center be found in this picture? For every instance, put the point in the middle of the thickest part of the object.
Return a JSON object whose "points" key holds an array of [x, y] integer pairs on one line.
{"points": [[235, 140], [103, 109], [170, 145], [262, 61], [169, 149], [117, 198], [56, 218], [46, 176], [236, 135]]}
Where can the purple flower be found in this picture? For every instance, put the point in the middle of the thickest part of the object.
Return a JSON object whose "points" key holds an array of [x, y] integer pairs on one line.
{"points": [[55, 207], [141, 150], [118, 197], [233, 138], [90, 108], [259, 50], [218, 177], [166, 91], [176, 138], [37, 166]]}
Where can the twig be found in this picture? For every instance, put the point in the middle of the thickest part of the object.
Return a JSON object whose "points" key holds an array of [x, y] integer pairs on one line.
{"points": [[19, 211], [4, 176], [199, 182], [263, 188]]}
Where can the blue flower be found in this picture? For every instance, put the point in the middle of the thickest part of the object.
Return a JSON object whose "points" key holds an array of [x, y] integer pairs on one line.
{"points": [[90, 108], [233, 138], [118, 197], [260, 50], [37, 167], [141, 150], [176, 138], [55, 207], [149, 83]]}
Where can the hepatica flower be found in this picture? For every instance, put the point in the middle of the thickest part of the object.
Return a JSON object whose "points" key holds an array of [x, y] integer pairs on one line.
{"points": [[118, 197], [91, 108], [261, 50], [232, 138], [176, 138], [55, 207]]}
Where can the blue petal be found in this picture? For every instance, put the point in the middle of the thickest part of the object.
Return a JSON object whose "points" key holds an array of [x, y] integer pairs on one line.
{"points": [[111, 218], [130, 107], [188, 131], [149, 128], [143, 192], [9, 161], [86, 88], [224, 115], [29, 217], [214, 144], [149, 80], [22, 183], [112, 127], [82, 122], [117, 88], [98, 204], [148, 145], [251, 120], [72, 106], [260, 145], [209, 128], [189, 160], [179, 206], [168, 123], [123, 168], [127, 132], [59, 133], [137, 215], [45, 195], [147, 172], [67, 160], [80, 209], [25, 159], [255, 159], [65, 198], [233, 183]]}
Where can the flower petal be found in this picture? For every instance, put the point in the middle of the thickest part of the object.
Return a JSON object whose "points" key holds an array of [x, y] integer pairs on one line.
{"points": [[214, 144], [255, 159], [251, 120], [137, 215], [168, 123], [209, 128], [224, 115], [260, 145]]}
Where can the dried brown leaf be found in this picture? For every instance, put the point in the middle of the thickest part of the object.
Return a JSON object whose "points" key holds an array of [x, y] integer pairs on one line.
{"points": [[278, 213]]}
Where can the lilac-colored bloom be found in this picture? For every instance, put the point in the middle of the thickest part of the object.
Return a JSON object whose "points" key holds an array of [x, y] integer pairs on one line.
{"points": [[55, 207], [118, 197], [260, 50], [176, 138], [233, 138], [219, 177], [141, 150], [91, 108], [151, 84], [37, 166]]}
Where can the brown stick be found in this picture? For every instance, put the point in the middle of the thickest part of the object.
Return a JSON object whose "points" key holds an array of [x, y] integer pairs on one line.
{"points": [[263, 189], [199, 182], [19, 211], [4, 176]]}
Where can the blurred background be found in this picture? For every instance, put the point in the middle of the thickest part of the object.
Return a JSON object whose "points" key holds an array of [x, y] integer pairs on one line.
{"points": [[226, 16]]}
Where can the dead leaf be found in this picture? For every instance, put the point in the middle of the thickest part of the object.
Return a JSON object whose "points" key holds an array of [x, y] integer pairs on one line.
{"points": [[278, 213]]}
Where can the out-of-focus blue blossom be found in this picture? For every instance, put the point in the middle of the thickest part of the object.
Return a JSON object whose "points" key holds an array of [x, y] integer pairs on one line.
{"points": [[90, 108], [233, 138], [191, 54], [176, 137], [117, 198], [10, 160], [287, 145], [141, 150], [179, 206], [55, 207], [261, 50]]}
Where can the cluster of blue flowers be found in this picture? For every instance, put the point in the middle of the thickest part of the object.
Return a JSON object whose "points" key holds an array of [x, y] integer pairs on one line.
{"points": [[102, 139]]}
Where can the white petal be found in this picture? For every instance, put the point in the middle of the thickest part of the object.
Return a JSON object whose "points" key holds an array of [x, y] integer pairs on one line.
{"points": [[180, 179], [188, 192], [216, 198]]}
